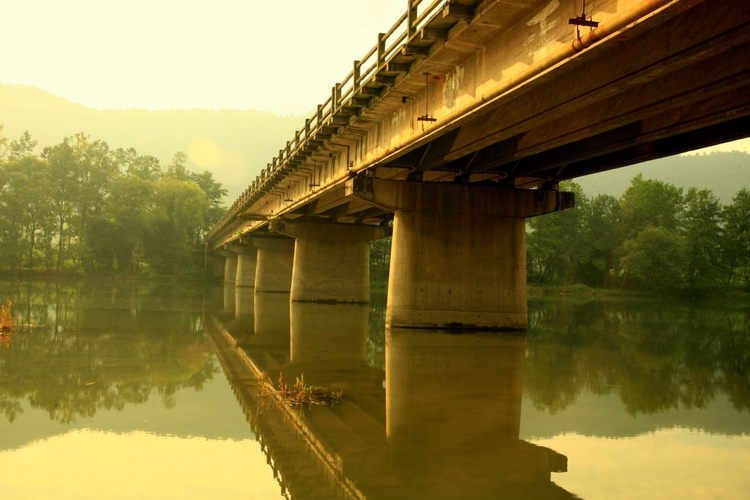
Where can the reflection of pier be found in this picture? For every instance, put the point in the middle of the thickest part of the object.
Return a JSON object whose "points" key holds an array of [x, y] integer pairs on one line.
{"points": [[299, 462], [441, 422]]}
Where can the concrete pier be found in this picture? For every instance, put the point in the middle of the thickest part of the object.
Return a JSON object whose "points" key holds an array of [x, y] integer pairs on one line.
{"points": [[273, 271], [246, 265], [230, 266], [331, 261], [458, 257]]}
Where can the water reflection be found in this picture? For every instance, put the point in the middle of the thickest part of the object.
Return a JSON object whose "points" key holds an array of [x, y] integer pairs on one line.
{"points": [[453, 407], [655, 355], [80, 351], [487, 415], [598, 399], [109, 390], [441, 421]]}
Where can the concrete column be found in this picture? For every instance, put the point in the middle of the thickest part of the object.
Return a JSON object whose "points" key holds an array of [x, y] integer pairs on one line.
{"points": [[246, 265], [458, 256], [230, 267], [331, 261], [273, 271]]}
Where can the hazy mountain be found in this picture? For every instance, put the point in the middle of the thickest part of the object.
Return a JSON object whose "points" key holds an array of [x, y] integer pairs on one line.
{"points": [[233, 145], [236, 145], [723, 173]]}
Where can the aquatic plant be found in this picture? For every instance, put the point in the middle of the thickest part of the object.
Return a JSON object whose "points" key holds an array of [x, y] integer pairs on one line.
{"points": [[299, 393]]}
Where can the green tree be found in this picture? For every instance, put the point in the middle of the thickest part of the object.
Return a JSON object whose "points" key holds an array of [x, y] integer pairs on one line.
{"points": [[25, 202], [736, 241], [215, 194], [554, 247], [177, 169], [63, 193], [94, 169], [602, 236], [132, 164], [701, 220], [21, 147], [648, 202], [654, 259], [179, 209]]}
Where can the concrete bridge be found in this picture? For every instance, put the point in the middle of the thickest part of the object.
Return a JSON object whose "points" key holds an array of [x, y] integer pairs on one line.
{"points": [[460, 123]]}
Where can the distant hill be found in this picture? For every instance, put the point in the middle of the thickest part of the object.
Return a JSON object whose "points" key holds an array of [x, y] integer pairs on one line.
{"points": [[233, 145], [724, 173], [236, 145]]}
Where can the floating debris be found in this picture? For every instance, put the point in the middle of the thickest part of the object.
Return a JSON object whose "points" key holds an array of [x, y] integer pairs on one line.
{"points": [[299, 393]]}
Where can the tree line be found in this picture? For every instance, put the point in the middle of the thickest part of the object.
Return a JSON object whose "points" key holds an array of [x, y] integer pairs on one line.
{"points": [[655, 236], [82, 207]]}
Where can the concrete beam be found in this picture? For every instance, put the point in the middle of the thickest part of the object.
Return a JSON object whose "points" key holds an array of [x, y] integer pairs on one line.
{"points": [[468, 198]]}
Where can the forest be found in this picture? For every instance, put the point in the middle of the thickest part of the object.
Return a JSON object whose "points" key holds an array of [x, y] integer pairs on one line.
{"points": [[656, 236], [80, 207]]}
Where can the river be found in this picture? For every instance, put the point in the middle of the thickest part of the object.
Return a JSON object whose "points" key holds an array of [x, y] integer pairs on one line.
{"points": [[119, 390]]}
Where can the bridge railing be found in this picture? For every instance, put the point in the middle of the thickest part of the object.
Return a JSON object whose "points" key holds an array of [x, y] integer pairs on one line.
{"points": [[364, 72]]}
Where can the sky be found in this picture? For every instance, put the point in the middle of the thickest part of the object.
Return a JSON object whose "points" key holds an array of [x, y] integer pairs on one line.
{"points": [[280, 56]]}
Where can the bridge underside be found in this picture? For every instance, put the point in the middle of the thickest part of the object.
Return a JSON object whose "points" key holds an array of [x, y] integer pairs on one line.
{"points": [[677, 82], [659, 78]]}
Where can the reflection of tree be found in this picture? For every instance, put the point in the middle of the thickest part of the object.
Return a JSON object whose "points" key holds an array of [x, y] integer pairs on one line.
{"points": [[655, 356], [100, 349]]}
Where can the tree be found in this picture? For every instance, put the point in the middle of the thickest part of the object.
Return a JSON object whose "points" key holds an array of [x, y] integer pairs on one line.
{"points": [[143, 167], [554, 248], [648, 202], [95, 170], [736, 241], [603, 234], [700, 223], [215, 194], [21, 147], [25, 202], [179, 209], [654, 259], [63, 193], [115, 236], [177, 170]]}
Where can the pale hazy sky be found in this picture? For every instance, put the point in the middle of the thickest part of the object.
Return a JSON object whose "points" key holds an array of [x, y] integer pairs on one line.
{"points": [[281, 56]]}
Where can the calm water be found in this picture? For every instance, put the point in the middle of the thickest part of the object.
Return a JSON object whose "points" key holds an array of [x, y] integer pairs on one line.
{"points": [[123, 391]]}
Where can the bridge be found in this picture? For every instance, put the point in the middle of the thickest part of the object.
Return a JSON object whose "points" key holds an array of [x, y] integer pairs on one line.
{"points": [[460, 123]]}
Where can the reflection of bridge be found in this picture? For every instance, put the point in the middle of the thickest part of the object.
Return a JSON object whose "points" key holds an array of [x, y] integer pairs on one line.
{"points": [[444, 424], [459, 124]]}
